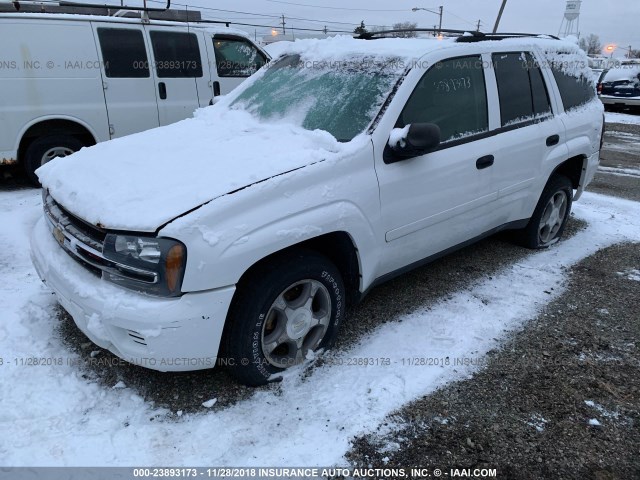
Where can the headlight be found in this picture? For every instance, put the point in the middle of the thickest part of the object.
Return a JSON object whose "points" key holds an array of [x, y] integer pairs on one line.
{"points": [[151, 265]]}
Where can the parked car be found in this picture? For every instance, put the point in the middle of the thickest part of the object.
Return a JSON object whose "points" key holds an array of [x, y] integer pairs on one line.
{"points": [[70, 81], [238, 237], [620, 87]]}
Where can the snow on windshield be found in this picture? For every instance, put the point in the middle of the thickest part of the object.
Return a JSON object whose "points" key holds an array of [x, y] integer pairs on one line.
{"points": [[341, 97]]}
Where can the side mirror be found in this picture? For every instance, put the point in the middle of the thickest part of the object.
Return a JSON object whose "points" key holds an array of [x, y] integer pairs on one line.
{"points": [[412, 141]]}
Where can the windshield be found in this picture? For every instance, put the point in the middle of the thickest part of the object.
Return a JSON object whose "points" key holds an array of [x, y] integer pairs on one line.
{"points": [[341, 97]]}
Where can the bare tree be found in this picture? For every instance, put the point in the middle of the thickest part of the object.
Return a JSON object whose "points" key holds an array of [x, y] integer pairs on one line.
{"points": [[634, 53], [591, 44], [409, 26], [380, 29]]}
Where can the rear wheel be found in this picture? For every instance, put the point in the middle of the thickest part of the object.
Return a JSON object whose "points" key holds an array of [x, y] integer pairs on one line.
{"points": [[45, 149], [550, 216], [283, 310]]}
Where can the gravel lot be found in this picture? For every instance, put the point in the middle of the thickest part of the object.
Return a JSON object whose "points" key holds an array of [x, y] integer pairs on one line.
{"points": [[524, 412]]}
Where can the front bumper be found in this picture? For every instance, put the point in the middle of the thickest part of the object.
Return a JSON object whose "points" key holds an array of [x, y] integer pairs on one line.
{"points": [[612, 100], [165, 334]]}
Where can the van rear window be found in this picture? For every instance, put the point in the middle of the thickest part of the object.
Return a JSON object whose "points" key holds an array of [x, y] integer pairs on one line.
{"points": [[123, 53], [177, 54]]}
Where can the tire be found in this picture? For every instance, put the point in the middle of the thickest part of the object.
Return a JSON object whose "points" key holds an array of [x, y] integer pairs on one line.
{"points": [[550, 216], [44, 149], [281, 310]]}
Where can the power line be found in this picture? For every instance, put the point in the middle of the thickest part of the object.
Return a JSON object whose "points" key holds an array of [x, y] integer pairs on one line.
{"points": [[334, 8]]}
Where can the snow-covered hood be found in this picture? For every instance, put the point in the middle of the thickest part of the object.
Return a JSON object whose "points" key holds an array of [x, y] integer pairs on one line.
{"points": [[143, 181]]}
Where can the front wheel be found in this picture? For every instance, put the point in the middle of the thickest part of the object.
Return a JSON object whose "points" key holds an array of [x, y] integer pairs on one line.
{"points": [[550, 216], [283, 309]]}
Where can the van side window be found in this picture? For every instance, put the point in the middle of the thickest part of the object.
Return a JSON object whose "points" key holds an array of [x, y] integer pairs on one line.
{"points": [[123, 53], [452, 95], [573, 90], [521, 88], [177, 54], [236, 57]]}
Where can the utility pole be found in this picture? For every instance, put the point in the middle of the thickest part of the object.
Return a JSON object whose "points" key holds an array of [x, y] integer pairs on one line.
{"points": [[324, 30], [504, 4], [439, 13], [630, 50], [284, 31], [479, 23]]}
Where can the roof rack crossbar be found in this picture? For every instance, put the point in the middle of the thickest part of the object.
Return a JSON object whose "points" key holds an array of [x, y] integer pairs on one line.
{"points": [[95, 5], [374, 35], [464, 35]]}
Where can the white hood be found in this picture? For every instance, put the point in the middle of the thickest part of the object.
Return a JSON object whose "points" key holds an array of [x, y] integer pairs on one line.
{"points": [[143, 181]]}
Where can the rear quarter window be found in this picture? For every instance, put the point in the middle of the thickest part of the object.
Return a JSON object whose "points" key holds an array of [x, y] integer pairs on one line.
{"points": [[575, 80]]}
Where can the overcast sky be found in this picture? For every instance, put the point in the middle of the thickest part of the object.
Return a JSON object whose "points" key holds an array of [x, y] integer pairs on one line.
{"points": [[615, 21]]}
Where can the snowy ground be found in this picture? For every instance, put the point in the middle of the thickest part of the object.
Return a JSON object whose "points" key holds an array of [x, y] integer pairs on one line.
{"points": [[613, 117], [52, 415]]}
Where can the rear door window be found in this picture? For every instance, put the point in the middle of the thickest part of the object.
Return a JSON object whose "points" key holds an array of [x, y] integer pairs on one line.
{"points": [[177, 54], [123, 53], [452, 94], [523, 94], [236, 57]]}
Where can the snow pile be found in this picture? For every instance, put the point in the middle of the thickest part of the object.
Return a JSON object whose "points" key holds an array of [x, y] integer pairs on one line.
{"points": [[632, 274], [611, 117]]}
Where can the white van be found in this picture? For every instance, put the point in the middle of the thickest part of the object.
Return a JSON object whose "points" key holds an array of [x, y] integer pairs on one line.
{"points": [[68, 81]]}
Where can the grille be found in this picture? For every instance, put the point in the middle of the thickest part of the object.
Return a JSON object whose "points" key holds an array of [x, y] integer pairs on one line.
{"points": [[84, 243]]}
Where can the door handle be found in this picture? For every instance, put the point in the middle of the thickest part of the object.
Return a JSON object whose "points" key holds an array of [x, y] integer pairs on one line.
{"points": [[162, 90], [484, 162], [216, 89], [553, 140]]}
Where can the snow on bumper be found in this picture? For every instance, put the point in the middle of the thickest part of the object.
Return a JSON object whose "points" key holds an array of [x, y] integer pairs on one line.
{"points": [[165, 334]]}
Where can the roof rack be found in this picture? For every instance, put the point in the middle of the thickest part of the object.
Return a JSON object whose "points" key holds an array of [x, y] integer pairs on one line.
{"points": [[81, 8], [463, 36], [93, 5]]}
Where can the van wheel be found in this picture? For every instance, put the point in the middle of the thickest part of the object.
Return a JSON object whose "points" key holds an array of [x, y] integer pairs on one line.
{"points": [[550, 216], [281, 311], [44, 149]]}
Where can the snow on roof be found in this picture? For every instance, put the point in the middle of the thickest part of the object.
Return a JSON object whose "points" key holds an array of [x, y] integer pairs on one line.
{"points": [[627, 72], [344, 46]]}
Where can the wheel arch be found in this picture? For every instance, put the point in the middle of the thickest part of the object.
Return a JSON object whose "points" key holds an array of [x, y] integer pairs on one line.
{"points": [[572, 169], [62, 125], [338, 247]]}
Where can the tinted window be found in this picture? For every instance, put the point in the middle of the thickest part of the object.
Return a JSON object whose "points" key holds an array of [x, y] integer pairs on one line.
{"points": [[541, 103], [514, 87], [521, 88], [574, 91], [236, 57], [123, 53], [177, 54], [452, 95]]}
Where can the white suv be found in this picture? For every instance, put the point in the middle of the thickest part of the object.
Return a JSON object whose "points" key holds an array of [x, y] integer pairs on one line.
{"points": [[238, 237]]}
